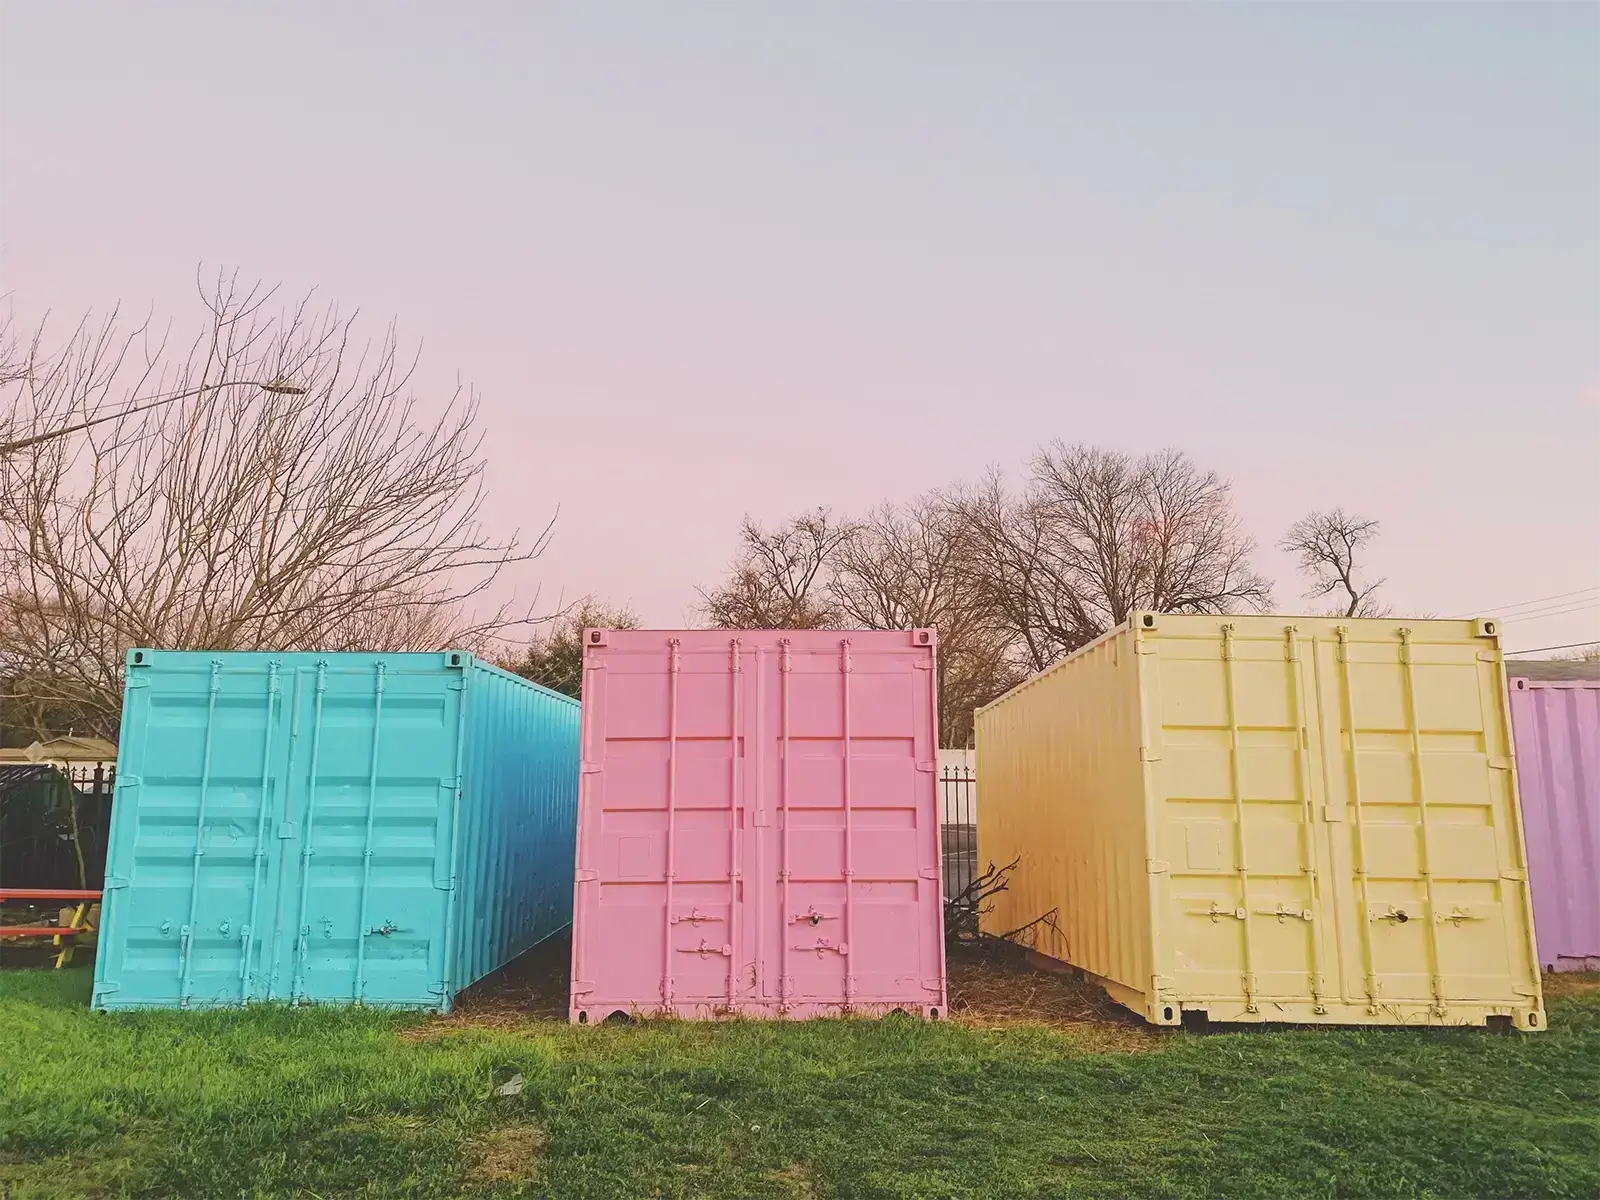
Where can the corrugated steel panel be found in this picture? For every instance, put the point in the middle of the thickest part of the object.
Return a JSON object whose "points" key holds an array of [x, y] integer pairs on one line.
{"points": [[1270, 819], [1558, 771], [370, 828], [758, 827]]}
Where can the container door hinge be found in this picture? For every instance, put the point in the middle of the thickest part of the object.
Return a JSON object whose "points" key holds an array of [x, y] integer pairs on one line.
{"points": [[445, 885], [113, 882], [1149, 754], [585, 875], [582, 987], [128, 781], [589, 768], [929, 767], [1515, 875], [458, 684], [1523, 989], [928, 873], [1163, 983], [105, 989], [450, 784], [1499, 762], [1156, 866]]}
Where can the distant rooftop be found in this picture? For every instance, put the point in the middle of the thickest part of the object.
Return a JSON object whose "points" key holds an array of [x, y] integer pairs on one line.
{"points": [[1549, 669], [70, 748]]}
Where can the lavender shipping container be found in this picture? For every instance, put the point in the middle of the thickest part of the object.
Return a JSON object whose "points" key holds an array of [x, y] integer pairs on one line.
{"points": [[758, 825], [1557, 729]]}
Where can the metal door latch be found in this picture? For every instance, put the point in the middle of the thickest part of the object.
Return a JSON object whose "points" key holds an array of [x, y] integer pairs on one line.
{"points": [[695, 917], [1216, 912], [811, 916], [704, 949], [823, 946], [384, 930], [1283, 910]]}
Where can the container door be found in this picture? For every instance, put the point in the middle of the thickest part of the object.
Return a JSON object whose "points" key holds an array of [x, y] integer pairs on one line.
{"points": [[1239, 788], [1421, 819], [194, 848], [664, 829], [847, 841], [361, 895]]}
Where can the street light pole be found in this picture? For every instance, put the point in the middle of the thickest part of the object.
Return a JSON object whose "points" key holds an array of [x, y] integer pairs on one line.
{"points": [[278, 387]]}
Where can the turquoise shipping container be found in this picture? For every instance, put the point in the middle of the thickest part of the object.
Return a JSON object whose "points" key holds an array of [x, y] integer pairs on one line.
{"points": [[377, 829]]}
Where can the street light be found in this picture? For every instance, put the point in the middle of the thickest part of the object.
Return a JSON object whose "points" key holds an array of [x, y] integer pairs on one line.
{"points": [[278, 387]]}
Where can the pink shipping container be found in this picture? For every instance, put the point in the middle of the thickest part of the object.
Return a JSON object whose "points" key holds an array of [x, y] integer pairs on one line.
{"points": [[758, 825], [1557, 730]]}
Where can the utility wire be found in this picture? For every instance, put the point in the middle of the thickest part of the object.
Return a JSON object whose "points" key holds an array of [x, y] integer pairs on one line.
{"points": [[1542, 649], [1506, 610], [1558, 610]]}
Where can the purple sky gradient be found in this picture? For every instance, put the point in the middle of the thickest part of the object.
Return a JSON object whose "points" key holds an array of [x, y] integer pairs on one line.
{"points": [[708, 260]]}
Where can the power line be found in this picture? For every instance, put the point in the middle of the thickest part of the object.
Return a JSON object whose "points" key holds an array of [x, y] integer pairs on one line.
{"points": [[1542, 649], [1505, 610], [1557, 610]]}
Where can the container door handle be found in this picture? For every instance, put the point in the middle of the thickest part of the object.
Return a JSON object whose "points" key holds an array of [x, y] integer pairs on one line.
{"points": [[824, 946], [704, 949], [1216, 912]]}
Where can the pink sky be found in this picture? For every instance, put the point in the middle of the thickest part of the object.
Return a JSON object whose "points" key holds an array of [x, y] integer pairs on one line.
{"points": [[702, 261]]}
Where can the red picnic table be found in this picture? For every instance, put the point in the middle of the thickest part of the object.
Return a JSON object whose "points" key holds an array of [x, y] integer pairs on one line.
{"points": [[63, 936]]}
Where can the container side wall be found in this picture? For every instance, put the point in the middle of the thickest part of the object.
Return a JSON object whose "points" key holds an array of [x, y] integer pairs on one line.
{"points": [[1060, 772], [517, 822], [1557, 728], [286, 829]]}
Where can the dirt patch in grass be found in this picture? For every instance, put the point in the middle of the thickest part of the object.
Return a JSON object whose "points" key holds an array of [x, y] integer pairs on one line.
{"points": [[509, 1154], [1572, 983], [994, 986], [531, 988], [798, 1180], [110, 1168]]}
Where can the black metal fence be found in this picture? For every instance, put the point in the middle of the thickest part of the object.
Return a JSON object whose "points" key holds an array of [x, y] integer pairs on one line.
{"points": [[958, 829], [54, 824]]}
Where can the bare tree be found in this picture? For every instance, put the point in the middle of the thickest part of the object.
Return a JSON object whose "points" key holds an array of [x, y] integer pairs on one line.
{"points": [[779, 580], [1327, 546], [901, 568], [554, 657], [329, 515], [47, 391], [1098, 535]]}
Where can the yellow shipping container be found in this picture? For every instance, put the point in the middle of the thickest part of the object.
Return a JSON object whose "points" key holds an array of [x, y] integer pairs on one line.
{"points": [[1270, 819]]}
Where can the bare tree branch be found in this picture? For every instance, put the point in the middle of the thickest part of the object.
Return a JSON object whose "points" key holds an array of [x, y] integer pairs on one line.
{"points": [[554, 657], [901, 568], [1098, 535], [780, 578], [231, 518], [1327, 546]]}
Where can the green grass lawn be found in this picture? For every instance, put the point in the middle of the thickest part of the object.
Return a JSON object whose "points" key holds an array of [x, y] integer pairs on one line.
{"points": [[274, 1102]]}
